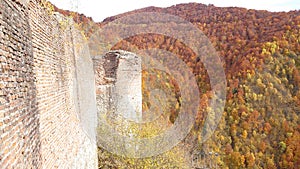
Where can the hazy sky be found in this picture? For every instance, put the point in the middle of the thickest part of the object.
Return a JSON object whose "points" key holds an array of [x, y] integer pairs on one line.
{"points": [[99, 10]]}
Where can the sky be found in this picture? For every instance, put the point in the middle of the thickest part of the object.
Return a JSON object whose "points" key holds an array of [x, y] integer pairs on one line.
{"points": [[99, 10]]}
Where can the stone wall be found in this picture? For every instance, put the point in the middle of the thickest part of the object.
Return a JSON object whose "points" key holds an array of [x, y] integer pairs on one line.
{"points": [[119, 79], [119, 99], [20, 143], [43, 97]]}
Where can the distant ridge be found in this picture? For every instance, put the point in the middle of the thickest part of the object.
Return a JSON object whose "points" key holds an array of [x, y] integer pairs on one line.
{"points": [[260, 127]]}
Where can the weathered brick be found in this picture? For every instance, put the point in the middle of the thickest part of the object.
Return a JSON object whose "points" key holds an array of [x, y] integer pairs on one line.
{"points": [[38, 121]]}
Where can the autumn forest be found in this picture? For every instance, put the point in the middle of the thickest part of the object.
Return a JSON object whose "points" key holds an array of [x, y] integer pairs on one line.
{"points": [[260, 52]]}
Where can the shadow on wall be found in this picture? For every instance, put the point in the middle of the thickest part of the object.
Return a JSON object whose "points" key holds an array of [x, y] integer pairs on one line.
{"points": [[19, 117]]}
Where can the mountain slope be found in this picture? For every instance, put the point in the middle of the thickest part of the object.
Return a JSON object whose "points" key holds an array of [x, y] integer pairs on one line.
{"points": [[260, 126]]}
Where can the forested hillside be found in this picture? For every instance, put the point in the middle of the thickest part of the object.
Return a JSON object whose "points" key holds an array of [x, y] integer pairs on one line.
{"points": [[260, 126]]}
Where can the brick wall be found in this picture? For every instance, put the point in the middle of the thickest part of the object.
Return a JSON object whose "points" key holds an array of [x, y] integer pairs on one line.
{"points": [[20, 143], [40, 100]]}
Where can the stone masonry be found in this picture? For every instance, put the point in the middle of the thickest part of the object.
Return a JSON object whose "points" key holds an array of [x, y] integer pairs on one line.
{"points": [[46, 90], [119, 79]]}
